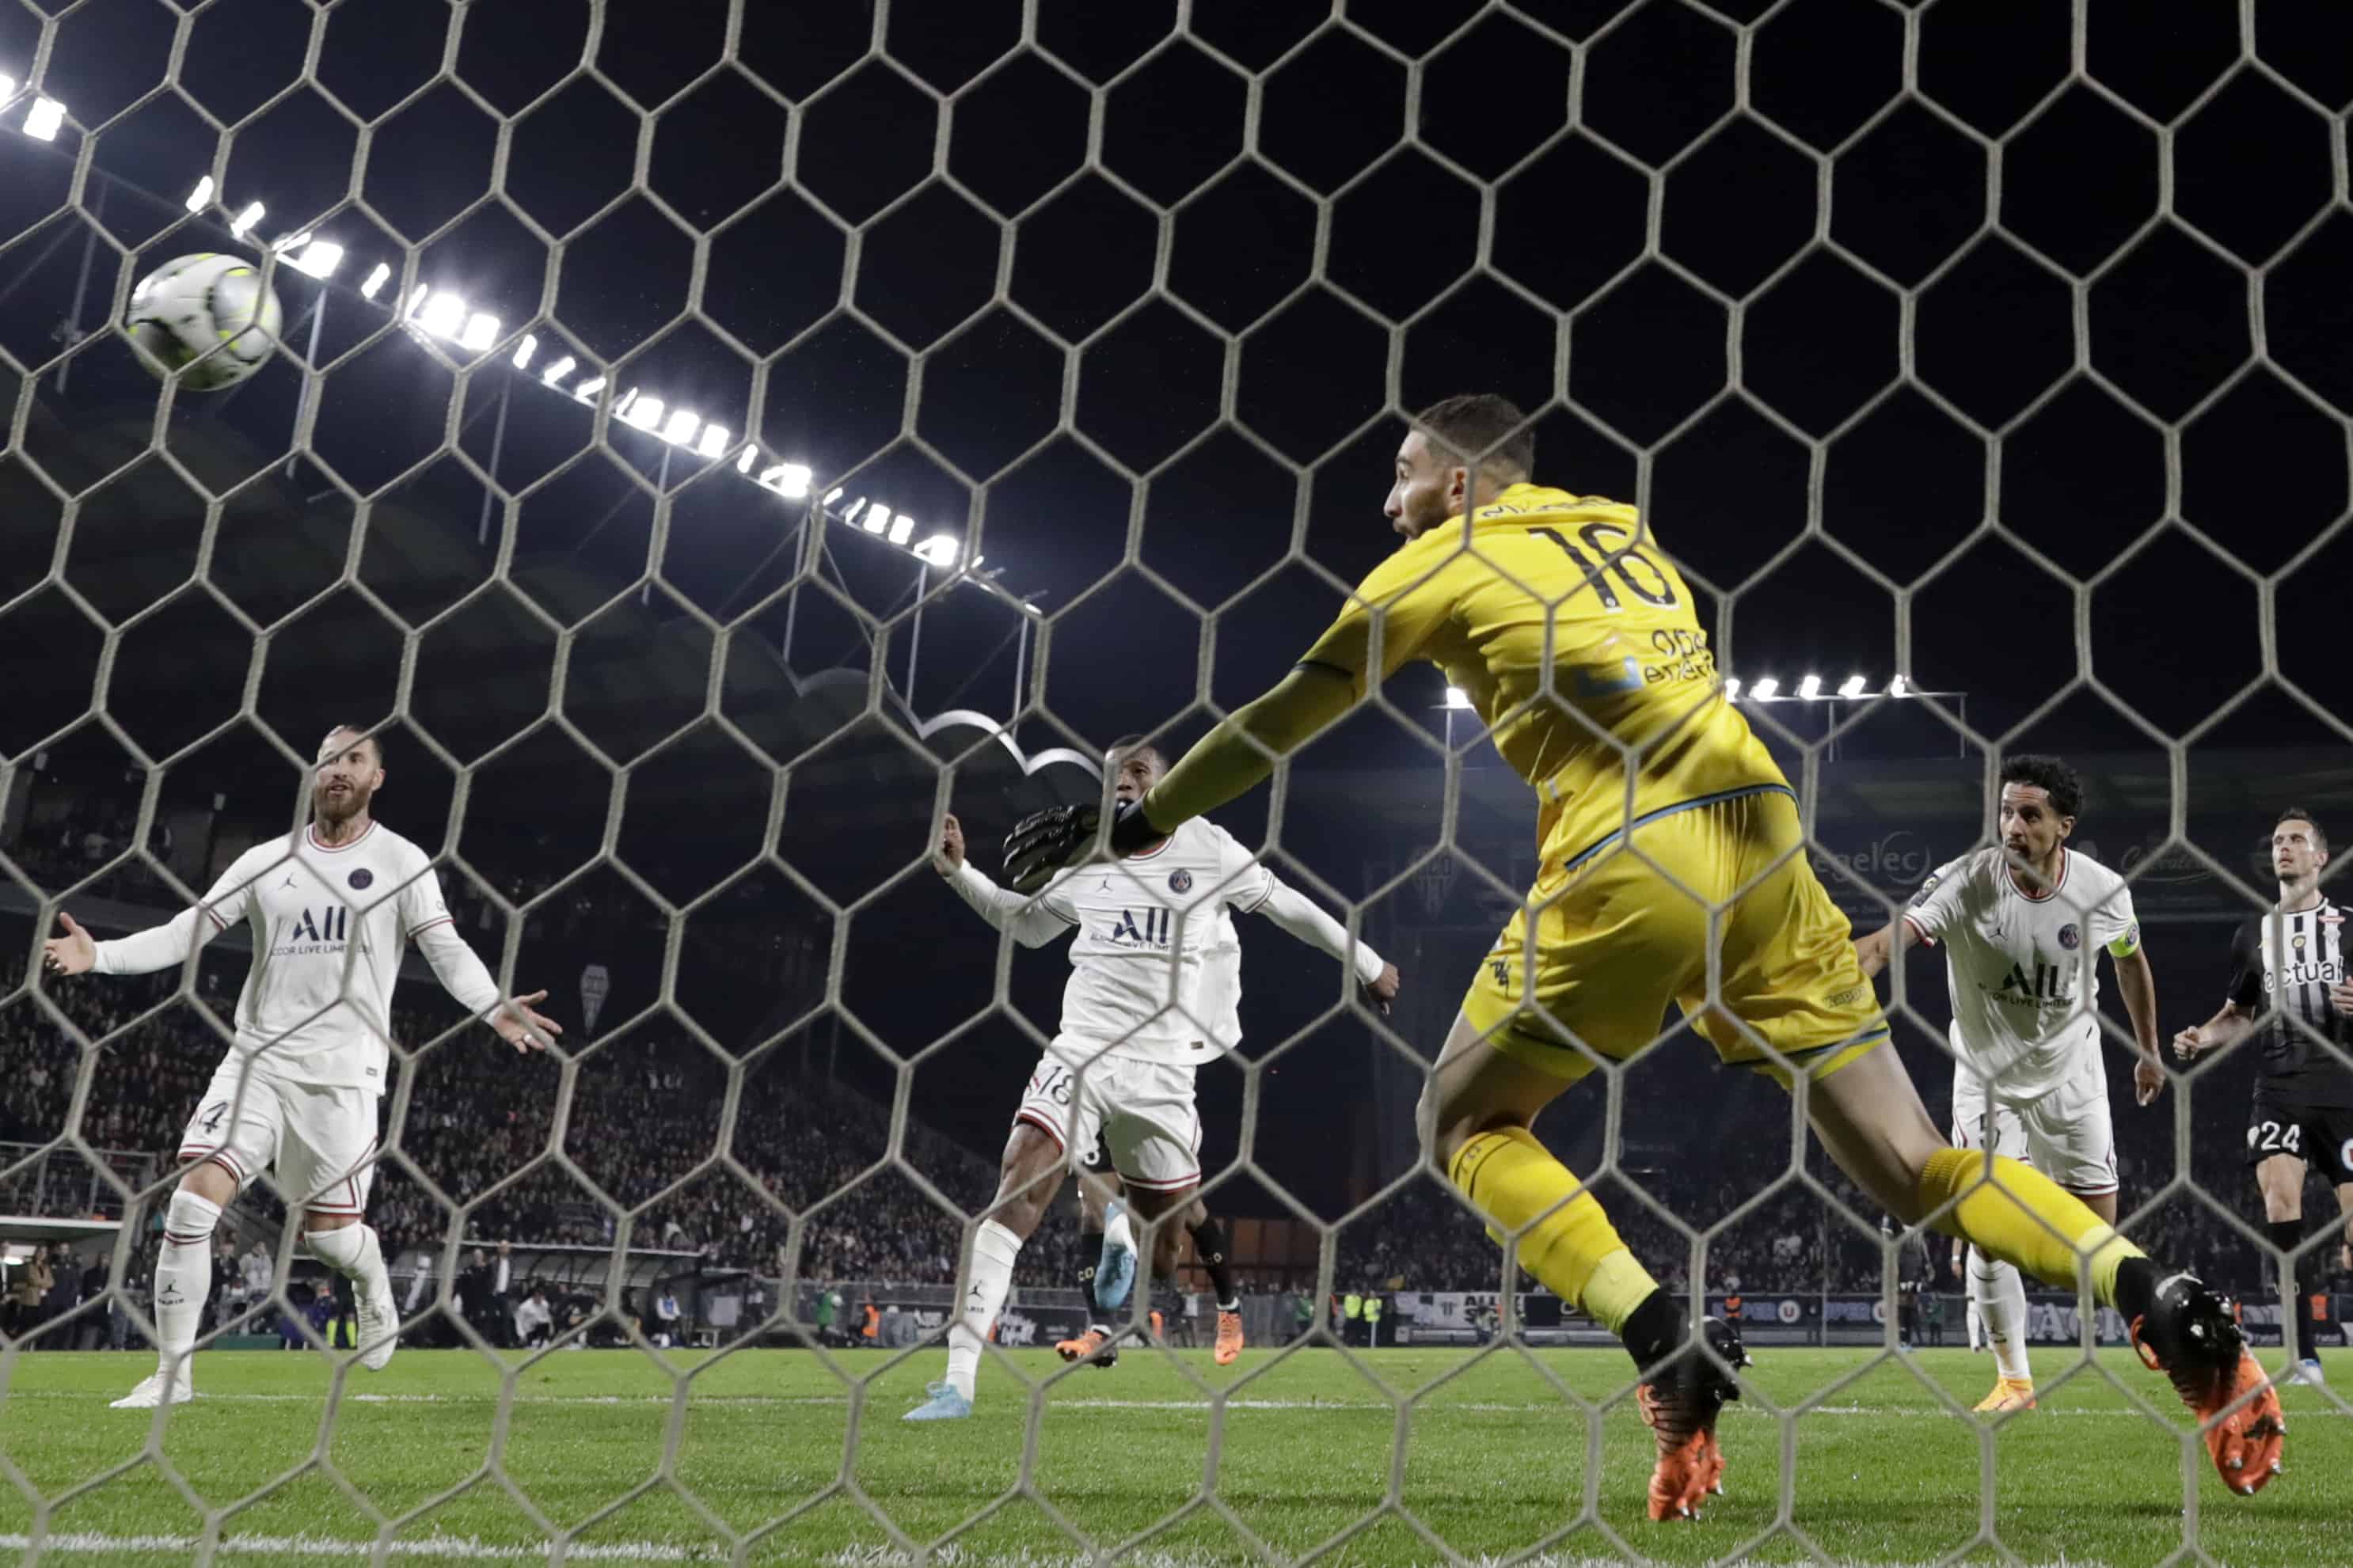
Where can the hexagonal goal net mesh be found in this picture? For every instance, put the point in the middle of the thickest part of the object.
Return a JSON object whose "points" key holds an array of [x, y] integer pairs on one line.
{"points": [[547, 544]]}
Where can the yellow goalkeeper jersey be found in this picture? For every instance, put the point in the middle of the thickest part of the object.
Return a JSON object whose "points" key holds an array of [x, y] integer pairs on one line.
{"points": [[1578, 643]]}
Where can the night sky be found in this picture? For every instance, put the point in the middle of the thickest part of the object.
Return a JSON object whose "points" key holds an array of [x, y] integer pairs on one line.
{"points": [[2029, 378]]}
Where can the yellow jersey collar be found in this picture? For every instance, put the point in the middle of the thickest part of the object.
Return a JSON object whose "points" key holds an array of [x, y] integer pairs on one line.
{"points": [[1516, 501]]}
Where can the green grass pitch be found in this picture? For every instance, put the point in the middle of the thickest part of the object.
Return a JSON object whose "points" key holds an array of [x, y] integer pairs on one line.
{"points": [[1491, 1455]]}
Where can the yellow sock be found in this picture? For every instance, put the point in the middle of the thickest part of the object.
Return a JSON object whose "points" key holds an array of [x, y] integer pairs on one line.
{"points": [[1574, 1249], [2029, 1220]]}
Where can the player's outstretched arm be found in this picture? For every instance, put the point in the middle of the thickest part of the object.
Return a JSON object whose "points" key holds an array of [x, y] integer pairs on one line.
{"points": [[158, 947], [1031, 920], [2136, 982], [1308, 921], [468, 980], [1875, 948]]}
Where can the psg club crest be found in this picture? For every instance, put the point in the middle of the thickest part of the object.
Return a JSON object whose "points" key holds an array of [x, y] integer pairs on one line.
{"points": [[1180, 881], [2070, 938], [363, 877]]}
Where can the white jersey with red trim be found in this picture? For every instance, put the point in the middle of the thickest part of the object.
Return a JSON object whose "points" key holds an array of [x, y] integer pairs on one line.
{"points": [[2023, 970], [330, 926], [1145, 978]]}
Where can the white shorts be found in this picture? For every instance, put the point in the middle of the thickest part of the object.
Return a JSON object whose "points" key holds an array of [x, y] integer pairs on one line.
{"points": [[319, 1143], [2066, 1134], [1142, 1112]]}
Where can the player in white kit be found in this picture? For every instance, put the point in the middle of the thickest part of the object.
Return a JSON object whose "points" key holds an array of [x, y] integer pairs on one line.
{"points": [[2021, 927], [332, 908], [1137, 1021]]}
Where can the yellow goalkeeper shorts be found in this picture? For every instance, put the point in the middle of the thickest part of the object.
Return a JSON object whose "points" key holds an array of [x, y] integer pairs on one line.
{"points": [[1622, 929]]}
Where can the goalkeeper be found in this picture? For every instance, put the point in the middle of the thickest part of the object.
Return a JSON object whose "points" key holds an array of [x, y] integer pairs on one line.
{"points": [[1575, 639]]}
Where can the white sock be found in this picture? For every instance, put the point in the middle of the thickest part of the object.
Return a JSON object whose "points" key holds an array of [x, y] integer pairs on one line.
{"points": [[352, 1251], [994, 1248], [1116, 1230], [183, 1278], [2001, 1302]]}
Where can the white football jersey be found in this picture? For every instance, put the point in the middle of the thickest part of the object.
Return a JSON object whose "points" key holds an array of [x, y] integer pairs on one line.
{"points": [[311, 906], [2024, 971], [1142, 957], [1222, 983]]}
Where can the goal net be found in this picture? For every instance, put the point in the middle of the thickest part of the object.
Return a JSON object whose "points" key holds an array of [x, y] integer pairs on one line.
{"points": [[710, 443]]}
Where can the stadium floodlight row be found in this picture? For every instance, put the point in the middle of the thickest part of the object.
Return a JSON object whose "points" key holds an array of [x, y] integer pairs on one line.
{"points": [[446, 316]]}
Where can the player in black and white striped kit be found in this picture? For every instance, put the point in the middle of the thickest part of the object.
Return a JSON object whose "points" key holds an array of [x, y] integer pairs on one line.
{"points": [[2289, 983]]}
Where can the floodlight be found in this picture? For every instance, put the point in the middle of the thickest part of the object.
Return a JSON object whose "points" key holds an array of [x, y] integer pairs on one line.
{"points": [[714, 441], [46, 114], [243, 220], [645, 413], [1809, 688], [443, 315], [319, 259], [1731, 688], [1457, 697], [562, 367], [902, 528], [832, 496], [196, 198], [790, 480], [378, 276], [1899, 687], [524, 350], [1766, 690], [587, 390], [8, 90], [1852, 687], [681, 427], [480, 332], [941, 549]]}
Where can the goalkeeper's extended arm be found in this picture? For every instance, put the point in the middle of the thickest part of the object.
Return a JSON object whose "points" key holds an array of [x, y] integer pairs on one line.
{"points": [[1238, 754]]}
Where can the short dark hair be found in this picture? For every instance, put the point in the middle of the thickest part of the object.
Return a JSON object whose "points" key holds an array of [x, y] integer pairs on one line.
{"points": [[1138, 744], [2297, 814], [2052, 777], [364, 733], [1482, 429]]}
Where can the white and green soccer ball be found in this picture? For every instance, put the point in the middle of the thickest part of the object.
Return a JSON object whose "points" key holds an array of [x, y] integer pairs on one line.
{"points": [[202, 302]]}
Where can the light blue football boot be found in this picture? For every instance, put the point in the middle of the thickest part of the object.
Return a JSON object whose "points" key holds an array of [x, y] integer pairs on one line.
{"points": [[1114, 1269], [945, 1404]]}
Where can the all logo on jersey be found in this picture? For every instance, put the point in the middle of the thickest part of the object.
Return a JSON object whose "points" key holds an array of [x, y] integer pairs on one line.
{"points": [[2043, 985], [1926, 887], [2070, 938], [1180, 881], [1151, 931], [363, 877], [330, 924]]}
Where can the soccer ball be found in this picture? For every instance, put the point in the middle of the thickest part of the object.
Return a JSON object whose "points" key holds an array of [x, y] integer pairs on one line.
{"points": [[203, 302]]}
